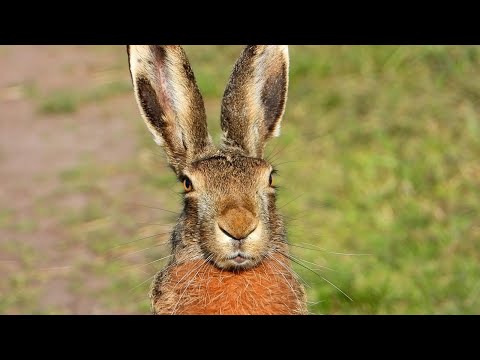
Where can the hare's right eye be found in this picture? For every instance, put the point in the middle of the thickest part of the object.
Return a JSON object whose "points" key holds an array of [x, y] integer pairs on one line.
{"points": [[187, 184], [270, 178]]}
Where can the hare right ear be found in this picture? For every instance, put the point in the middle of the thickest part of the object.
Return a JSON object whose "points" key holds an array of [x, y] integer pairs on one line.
{"points": [[170, 102], [254, 100]]}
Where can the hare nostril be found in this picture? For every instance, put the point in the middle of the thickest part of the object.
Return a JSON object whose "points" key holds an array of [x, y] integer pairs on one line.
{"points": [[227, 233], [237, 222], [236, 237]]}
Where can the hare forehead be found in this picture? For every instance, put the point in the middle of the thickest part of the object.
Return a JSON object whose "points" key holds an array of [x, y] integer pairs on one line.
{"points": [[227, 168]]}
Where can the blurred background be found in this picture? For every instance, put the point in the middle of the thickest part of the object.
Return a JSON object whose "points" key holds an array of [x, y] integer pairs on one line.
{"points": [[379, 175]]}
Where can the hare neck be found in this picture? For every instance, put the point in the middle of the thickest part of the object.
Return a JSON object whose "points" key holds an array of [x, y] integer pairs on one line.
{"points": [[199, 287]]}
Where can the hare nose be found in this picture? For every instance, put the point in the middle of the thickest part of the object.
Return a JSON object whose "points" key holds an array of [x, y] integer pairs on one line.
{"points": [[237, 223]]}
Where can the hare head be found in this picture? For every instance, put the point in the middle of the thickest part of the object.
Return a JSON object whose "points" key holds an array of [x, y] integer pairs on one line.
{"points": [[229, 217]]}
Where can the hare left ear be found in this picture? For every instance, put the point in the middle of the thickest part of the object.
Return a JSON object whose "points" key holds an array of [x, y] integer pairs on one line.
{"points": [[255, 98]]}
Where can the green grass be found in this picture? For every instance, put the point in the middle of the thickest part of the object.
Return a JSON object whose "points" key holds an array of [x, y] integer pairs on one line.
{"points": [[395, 176], [379, 155], [68, 100], [388, 144]]}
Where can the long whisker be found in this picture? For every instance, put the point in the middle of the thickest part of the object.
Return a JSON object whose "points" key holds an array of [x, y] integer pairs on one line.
{"points": [[303, 212], [294, 272], [143, 282], [267, 156], [189, 272], [281, 273], [311, 263], [156, 208], [313, 271], [137, 251], [284, 162], [315, 302], [157, 224], [151, 262], [288, 282], [290, 201], [314, 247], [143, 238], [205, 261], [271, 157]]}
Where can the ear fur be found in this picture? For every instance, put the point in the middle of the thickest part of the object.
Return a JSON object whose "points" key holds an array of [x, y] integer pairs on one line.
{"points": [[255, 98], [170, 101]]}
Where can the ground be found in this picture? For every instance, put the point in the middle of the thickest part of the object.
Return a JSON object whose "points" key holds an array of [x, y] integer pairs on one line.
{"points": [[378, 172]]}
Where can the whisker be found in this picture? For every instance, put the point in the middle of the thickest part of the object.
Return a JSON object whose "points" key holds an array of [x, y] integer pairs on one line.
{"points": [[294, 272], [154, 207], [143, 238], [288, 282], [289, 270], [143, 282], [279, 151], [271, 154], [303, 212], [205, 262], [315, 302], [290, 201], [311, 263], [285, 162], [158, 224], [137, 251], [151, 262], [320, 276], [314, 247], [188, 273], [159, 154]]}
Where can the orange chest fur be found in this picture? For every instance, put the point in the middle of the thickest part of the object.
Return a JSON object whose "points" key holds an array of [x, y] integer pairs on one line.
{"points": [[199, 288]]}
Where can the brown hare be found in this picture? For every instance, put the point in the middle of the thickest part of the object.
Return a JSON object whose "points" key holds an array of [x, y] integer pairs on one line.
{"points": [[229, 247]]}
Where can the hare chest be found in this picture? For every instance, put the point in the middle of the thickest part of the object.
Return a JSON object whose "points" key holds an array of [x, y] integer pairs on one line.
{"points": [[197, 287]]}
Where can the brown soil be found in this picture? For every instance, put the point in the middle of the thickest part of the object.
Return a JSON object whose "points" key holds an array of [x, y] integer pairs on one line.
{"points": [[35, 150]]}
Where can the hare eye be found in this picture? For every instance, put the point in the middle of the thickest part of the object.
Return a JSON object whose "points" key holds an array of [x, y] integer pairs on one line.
{"points": [[270, 180], [187, 184]]}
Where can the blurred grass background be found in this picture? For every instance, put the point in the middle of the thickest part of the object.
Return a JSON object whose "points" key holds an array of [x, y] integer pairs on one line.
{"points": [[379, 155]]}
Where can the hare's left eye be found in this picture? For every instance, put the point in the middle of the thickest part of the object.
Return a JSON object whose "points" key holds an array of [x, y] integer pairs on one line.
{"points": [[270, 179]]}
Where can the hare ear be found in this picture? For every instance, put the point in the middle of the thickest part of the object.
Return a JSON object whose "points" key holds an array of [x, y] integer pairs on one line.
{"points": [[170, 101], [254, 100]]}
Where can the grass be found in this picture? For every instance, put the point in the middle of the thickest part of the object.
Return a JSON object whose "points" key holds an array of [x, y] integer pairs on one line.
{"points": [[69, 101], [378, 155], [389, 148]]}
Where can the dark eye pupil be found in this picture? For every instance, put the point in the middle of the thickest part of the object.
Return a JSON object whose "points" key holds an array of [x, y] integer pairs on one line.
{"points": [[187, 184], [270, 179]]}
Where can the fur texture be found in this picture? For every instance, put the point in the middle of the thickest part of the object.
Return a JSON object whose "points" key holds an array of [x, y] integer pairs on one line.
{"points": [[198, 287], [229, 245]]}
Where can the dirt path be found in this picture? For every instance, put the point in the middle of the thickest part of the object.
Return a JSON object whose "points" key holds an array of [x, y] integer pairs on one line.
{"points": [[53, 166]]}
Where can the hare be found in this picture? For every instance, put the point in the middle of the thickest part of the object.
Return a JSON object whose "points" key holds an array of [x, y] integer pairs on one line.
{"points": [[229, 249]]}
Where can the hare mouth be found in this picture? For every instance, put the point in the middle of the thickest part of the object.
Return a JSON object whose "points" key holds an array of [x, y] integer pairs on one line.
{"points": [[240, 260]]}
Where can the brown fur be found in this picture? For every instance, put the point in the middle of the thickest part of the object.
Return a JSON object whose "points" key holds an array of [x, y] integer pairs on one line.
{"points": [[174, 114], [197, 287], [255, 98], [238, 222], [229, 245]]}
